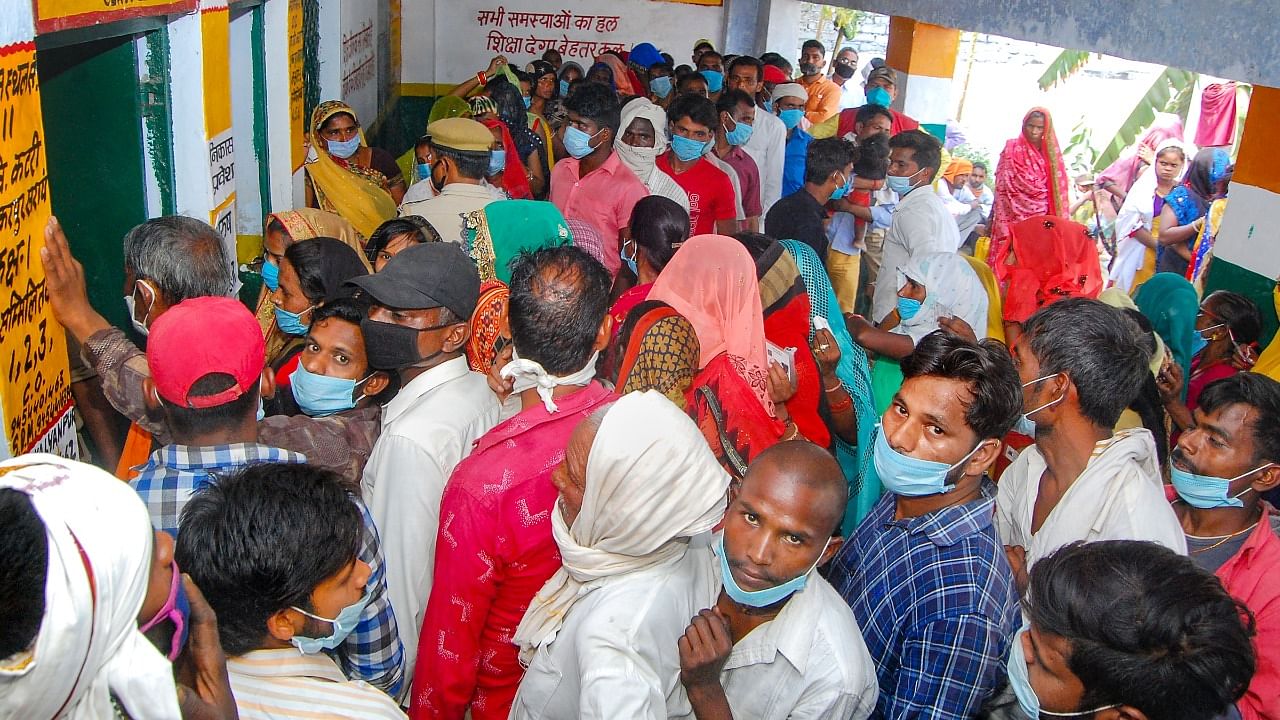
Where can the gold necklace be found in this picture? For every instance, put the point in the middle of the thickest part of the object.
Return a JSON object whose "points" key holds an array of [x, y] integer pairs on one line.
{"points": [[1224, 539]]}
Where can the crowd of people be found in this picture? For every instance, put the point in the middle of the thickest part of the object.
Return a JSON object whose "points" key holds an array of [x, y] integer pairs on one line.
{"points": [[708, 390]]}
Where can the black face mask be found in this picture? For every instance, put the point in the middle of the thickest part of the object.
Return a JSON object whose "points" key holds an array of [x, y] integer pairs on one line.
{"points": [[809, 69], [394, 347], [844, 71], [438, 186]]}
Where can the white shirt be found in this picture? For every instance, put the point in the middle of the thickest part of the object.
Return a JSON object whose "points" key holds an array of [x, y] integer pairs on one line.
{"points": [[921, 225], [281, 684], [852, 95], [1119, 496], [768, 147], [445, 211], [427, 429], [808, 662], [618, 654]]}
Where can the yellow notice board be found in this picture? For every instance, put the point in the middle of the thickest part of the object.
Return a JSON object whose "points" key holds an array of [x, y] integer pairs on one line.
{"points": [[54, 15], [297, 87], [35, 389]]}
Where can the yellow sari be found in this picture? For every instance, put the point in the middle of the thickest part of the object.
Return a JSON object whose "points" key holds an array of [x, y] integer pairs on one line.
{"points": [[357, 194]]}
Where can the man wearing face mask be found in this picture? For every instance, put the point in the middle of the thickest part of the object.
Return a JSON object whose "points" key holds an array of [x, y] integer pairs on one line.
{"points": [[737, 118], [418, 328], [207, 380], [594, 184], [842, 72], [788, 105], [692, 119], [920, 223], [924, 572], [882, 90], [274, 549], [779, 641], [828, 176], [711, 67], [461, 152], [1081, 363], [1221, 468], [1125, 630], [767, 144], [642, 138], [823, 99], [495, 547]]}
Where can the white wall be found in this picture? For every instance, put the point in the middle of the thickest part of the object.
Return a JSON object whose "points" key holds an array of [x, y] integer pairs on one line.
{"points": [[244, 112], [275, 30], [461, 44], [359, 50]]}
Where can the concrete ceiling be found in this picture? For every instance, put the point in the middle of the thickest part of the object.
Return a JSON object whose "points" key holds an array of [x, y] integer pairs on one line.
{"points": [[1236, 39]]}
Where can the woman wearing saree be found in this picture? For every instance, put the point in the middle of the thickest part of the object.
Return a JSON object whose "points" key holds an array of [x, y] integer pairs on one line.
{"points": [[530, 149], [1120, 176], [712, 283], [658, 228], [656, 349], [281, 230], [852, 379], [346, 176], [1053, 258], [505, 169], [1183, 217], [1031, 180]]}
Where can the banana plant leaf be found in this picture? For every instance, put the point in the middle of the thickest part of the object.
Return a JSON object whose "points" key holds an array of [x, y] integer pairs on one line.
{"points": [[1167, 86], [1067, 63]]}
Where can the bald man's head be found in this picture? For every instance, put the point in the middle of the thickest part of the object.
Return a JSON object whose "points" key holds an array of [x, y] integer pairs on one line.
{"points": [[808, 475]]}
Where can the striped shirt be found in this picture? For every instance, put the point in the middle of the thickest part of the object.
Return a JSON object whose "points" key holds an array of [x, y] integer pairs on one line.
{"points": [[283, 683], [936, 602]]}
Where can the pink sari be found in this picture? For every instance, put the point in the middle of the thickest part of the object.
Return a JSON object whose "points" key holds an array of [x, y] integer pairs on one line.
{"points": [[1030, 181]]}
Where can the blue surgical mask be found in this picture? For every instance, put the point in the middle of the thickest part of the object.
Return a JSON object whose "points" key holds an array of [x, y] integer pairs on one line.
{"points": [[497, 161], [1020, 682], [768, 105], [262, 411], [270, 276], [1199, 342], [768, 596], [791, 118], [661, 86], [908, 307], [900, 184], [739, 135], [321, 395], [878, 96], [424, 171], [687, 150], [578, 142], [291, 323], [912, 477], [840, 192], [715, 80], [1206, 491], [630, 261], [342, 627], [564, 88], [344, 148], [528, 101], [1025, 425]]}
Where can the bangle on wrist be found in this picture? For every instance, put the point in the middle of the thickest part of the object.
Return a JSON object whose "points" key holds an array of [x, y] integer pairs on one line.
{"points": [[833, 388], [482, 78]]}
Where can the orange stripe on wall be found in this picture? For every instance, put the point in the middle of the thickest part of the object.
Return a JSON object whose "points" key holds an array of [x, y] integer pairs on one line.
{"points": [[1256, 162], [919, 48]]}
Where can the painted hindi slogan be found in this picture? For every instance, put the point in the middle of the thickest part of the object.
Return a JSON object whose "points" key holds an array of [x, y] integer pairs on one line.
{"points": [[469, 33], [35, 396]]}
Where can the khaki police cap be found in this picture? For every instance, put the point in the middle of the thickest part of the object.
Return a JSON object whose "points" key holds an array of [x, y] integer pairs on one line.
{"points": [[460, 134]]}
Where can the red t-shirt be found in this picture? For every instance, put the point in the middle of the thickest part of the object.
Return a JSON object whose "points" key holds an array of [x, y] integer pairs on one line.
{"points": [[710, 193]]}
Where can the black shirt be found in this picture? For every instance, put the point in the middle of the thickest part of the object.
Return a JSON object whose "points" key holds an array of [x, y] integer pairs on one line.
{"points": [[798, 216]]}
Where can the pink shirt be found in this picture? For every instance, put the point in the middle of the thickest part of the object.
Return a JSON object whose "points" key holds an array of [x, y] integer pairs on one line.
{"points": [[604, 198], [1250, 576], [494, 551]]}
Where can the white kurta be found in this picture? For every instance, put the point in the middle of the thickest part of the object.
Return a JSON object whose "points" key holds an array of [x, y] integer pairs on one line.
{"points": [[921, 225], [768, 147], [1119, 496], [617, 655]]}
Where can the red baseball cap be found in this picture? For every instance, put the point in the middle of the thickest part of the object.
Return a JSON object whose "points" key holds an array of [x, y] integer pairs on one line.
{"points": [[774, 74], [201, 336]]}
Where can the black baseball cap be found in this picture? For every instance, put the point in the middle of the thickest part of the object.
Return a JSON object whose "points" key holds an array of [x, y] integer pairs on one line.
{"points": [[428, 275]]}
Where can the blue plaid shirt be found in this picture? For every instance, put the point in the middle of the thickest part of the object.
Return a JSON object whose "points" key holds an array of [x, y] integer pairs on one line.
{"points": [[937, 605], [175, 473]]}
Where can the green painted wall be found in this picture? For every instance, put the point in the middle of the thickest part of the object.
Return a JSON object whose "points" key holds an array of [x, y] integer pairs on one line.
{"points": [[93, 140], [1258, 288]]}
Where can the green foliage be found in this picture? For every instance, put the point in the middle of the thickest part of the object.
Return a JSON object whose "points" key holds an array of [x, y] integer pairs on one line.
{"points": [[1166, 89], [1079, 151], [1067, 63], [974, 154]]}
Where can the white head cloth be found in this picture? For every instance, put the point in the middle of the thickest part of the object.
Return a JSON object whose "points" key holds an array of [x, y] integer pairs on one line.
{"points": [[651, 484], [952, 289], [88, 647], [527, 374], [642, 160]]}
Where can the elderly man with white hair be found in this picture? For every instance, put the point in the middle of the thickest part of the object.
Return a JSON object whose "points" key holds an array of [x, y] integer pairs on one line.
{"points": [[639, 491], [85, 575]]}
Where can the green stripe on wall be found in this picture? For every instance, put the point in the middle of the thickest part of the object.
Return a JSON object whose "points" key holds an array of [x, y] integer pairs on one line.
{"points": [[1224, 275]]}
